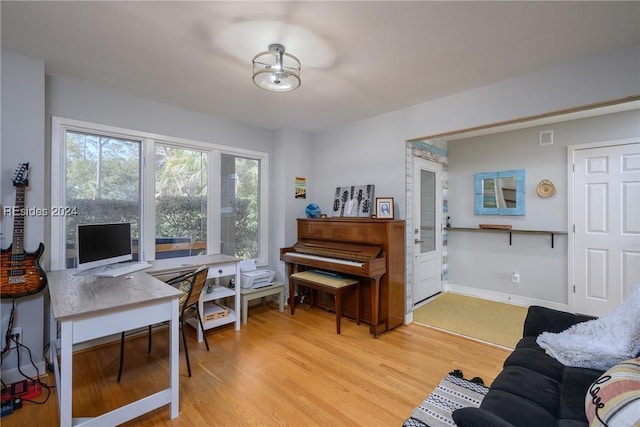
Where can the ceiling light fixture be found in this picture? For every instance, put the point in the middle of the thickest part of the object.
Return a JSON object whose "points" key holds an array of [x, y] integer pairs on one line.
{"points": [[276, 70]]}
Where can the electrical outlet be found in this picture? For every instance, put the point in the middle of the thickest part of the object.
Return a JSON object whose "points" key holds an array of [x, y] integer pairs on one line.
{"points": [[16, 335], [515, 277]]}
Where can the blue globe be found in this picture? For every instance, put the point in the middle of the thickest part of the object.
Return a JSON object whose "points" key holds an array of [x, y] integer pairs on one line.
{"points": [[313, 211]]}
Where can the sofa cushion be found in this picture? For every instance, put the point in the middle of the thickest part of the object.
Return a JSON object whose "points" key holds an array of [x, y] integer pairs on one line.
{"points": [[517, 410], [581, 377], [529, 342], [574, 385], [571, 405], [529, 385], [535, 360], [572, 423], [541, 319], [614, 398], [476, 417]]}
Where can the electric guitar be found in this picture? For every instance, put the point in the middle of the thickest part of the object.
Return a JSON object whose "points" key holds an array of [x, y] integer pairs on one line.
{"points": [[21, 271]]}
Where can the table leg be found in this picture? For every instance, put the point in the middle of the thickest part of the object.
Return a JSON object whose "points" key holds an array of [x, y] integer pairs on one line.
{"points": [[292, 296], [245, 309], [358, 303], [281, 300], [174, 357], [375, 304], [338, 307], [66, 373]]}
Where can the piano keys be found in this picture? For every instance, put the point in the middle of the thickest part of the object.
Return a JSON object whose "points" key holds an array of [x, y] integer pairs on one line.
{"points": [[355, 259], [292, 257], [370, 249]]}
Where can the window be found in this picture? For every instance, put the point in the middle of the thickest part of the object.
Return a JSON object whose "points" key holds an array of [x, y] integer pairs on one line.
{"points": [[164, 186], [240, 206], [180, 201], [102, 184]]}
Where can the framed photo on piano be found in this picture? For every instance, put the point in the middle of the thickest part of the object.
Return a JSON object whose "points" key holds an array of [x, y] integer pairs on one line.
{"points": [[384, 207]]}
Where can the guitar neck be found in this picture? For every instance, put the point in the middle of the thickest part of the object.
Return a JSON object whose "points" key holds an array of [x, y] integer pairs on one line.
{"points": [[18, 222]]}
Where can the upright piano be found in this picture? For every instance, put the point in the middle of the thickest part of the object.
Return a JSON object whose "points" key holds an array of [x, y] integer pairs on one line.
{"points": [[373, 250]]}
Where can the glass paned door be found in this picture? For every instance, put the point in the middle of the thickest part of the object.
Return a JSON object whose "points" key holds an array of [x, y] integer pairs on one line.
{"points": [[427, 208]]}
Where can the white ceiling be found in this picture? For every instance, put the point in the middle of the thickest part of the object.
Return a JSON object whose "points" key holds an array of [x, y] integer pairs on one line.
{"points": [[359, 59]]}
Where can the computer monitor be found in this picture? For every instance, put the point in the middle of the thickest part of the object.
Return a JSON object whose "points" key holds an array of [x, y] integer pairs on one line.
{"points": [[98, 245]]}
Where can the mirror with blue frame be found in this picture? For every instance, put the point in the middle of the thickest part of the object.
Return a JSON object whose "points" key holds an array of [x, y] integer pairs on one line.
{"points": [[500, 193]]}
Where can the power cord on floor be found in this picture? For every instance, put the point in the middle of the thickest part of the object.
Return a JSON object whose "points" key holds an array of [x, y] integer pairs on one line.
{"points": [[17, 391], [37, 379]]}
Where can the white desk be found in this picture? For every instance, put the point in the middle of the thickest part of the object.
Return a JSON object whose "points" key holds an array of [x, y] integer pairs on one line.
{"points": [[174, 266], [219, 266], [89, 307]]}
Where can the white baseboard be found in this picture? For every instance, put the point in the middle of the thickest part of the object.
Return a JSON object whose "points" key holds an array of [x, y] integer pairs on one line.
{"points": [[11, 376], [502, 297], [408, 318]]}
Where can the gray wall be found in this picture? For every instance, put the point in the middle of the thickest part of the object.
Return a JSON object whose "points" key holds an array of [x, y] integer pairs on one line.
{"points": [[22, 134], [79, 101], [371, 151], [291, 158], [484, 261]]}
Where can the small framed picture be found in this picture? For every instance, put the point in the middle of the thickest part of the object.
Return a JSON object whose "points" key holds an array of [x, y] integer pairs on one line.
{"points": [[384, 207]]}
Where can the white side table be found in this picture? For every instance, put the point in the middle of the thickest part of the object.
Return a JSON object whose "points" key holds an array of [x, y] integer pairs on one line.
{"points": [[249, 294]]}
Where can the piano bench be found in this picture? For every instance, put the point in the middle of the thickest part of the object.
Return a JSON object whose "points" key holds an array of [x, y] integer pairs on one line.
{"points": [[335, 286]]}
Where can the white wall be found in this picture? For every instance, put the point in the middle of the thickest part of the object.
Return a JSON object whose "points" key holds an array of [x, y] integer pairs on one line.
{"points": [[291, 158], [76, 100], [22, 134], [367, 152], [484, 261]]}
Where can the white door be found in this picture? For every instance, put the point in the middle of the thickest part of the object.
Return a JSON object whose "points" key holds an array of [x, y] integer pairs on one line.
{"points": [[607, 226], [427, 232]]}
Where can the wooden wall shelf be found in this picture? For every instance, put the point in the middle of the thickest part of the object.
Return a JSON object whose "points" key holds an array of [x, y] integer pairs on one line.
{"points": [[511, 232]]}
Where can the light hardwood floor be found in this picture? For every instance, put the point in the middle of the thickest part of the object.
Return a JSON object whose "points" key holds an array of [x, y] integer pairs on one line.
{"points": [[278, 370]]}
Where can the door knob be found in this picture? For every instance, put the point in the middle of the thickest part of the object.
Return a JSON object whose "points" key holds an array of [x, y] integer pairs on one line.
{"points": [[416, 241]]}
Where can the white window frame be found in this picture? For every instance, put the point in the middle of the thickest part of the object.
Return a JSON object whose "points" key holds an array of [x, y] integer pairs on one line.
{"points": [[59, 127], [264, 201]]}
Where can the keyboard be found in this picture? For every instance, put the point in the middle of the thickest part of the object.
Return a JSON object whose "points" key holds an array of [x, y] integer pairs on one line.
{"points": [[328, 274], [117, 270]]}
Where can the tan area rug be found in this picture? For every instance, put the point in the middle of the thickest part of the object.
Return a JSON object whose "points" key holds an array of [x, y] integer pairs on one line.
{"points": [[489, 321]]}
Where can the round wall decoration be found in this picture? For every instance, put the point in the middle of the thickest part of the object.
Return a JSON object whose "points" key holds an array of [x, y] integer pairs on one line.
{"points": [[546, 188]]}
